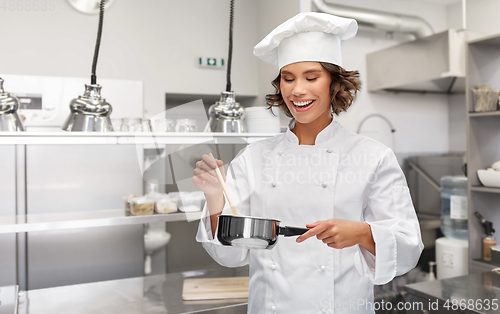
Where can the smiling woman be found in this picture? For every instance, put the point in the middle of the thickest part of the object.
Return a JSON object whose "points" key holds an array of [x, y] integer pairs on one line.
{"points": [[343, 88], [347, 189]]}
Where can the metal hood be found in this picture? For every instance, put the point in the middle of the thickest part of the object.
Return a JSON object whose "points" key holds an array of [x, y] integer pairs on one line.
{"points": [[433, 64], [384, 21]]}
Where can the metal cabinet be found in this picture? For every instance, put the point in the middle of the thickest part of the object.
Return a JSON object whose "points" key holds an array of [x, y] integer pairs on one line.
{"points": [[8, 208]]}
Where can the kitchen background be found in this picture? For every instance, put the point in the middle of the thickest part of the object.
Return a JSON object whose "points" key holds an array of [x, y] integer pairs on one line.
{"points": [[158, 43]]}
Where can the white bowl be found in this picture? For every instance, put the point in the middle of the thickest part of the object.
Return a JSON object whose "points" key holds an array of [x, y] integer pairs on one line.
{"points": [[154, 240], [489, 178]]}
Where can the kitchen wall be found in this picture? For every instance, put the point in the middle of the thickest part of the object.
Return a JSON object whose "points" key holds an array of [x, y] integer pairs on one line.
{"points": [[482, 15], [271, 13]]}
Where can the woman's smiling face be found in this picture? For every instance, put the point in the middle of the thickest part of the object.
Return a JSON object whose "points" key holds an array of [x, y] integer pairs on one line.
{"points": [[305, 88]]}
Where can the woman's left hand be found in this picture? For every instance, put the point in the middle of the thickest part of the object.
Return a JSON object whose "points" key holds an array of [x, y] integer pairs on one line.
{"points": [[341, 233]]}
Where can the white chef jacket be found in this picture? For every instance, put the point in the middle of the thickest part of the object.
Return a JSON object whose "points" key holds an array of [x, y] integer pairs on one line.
{"points": [[343, 175]]}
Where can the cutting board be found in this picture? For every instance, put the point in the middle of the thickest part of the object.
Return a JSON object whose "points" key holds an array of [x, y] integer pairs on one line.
{"points": [[215, 288]]}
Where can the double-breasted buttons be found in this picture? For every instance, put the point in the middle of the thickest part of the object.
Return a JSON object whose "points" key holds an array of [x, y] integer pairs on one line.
{"points": [[324, 184], [322, 268], [329, 150], [273, 308], [273, 184], [280, 152], [273, 266]]}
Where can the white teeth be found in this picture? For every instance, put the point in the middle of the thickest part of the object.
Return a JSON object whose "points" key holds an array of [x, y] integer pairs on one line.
{"points": [[302, 103]]}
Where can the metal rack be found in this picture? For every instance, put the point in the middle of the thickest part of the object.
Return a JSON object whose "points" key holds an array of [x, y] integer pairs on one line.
{"points": [[74, 220], [100, 218], [126, 138], [483, 138]]}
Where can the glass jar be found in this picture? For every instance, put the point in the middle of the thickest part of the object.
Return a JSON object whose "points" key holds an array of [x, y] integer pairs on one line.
{"points": [[136, 125], [117, 124], [186, 125], [125, 125], [146, 125], [131, 125], [454, 207], [164, 125]]}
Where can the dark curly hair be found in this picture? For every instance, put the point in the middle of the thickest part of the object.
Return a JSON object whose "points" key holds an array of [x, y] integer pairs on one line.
{"points": [[343, 89]]}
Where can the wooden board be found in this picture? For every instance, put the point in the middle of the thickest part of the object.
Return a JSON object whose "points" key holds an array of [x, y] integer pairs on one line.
{"points": [[215, 288]]}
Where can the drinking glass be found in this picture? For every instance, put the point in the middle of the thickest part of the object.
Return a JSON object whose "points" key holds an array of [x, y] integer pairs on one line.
{"points": [[186, 125]]}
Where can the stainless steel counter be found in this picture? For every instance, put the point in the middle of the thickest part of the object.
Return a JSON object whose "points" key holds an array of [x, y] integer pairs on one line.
{"points": [[478, 293], [152, 294]]}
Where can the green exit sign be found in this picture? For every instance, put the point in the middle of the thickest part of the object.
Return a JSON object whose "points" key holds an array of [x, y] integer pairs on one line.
{"points": [[205, 62]]}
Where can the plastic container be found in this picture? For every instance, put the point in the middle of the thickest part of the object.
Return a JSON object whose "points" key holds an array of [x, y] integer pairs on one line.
{"points": [[140, 206], [166, 204], [454, 207]]}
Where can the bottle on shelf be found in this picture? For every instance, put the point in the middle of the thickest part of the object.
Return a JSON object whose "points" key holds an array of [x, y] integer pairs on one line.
{"points": [[488, 239], [454, 207]]}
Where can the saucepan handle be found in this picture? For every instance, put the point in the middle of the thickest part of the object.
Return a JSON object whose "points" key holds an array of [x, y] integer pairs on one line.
{"points": [[292, 231]]}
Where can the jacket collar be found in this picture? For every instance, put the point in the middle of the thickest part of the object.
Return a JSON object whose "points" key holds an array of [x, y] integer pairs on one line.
{"points": [[325, 135]]}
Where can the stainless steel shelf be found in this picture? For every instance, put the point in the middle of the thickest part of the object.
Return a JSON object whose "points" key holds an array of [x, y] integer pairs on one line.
{"points": [[484, 189], [484, 114], [74, 220], [482, 266], [149, 294], [126, 138]]}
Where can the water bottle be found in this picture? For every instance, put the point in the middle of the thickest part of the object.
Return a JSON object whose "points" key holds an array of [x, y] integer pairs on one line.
{"points": [[454, 207]]}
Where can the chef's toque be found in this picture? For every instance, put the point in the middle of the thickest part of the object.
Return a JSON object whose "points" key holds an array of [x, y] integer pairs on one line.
{"points": [[310, 36]]}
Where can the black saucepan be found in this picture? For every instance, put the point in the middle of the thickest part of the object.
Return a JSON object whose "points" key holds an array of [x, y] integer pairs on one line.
{"points": [[252, 232]]}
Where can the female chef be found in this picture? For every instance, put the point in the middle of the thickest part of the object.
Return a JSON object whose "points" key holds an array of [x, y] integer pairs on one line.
{"points": [[348, 189]]}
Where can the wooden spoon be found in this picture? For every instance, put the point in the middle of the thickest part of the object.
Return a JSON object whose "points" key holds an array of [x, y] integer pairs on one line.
{"points": [[224, 188]]}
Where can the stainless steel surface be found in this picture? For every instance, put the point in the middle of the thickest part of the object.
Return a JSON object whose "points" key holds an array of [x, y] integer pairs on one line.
{"points": [[429, 228], [66, 257], [425, 176], [90, 112], [88, 6], [183, 253], [226, 115], [389, 22], [426, 197], [9, 118], [252, 232], [9, 299], [423, 173], [153, 294], [21, 238], [8, 259], [8, 207], [75, 220], [64, 179], [402, 67], [127, 138], [477, 289]]}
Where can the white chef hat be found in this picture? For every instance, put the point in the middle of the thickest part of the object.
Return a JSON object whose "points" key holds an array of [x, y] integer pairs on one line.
{"points": [[308, 36]]}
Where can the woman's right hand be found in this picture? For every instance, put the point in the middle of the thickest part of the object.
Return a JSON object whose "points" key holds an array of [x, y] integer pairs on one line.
{"points": [[205, 177]]}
